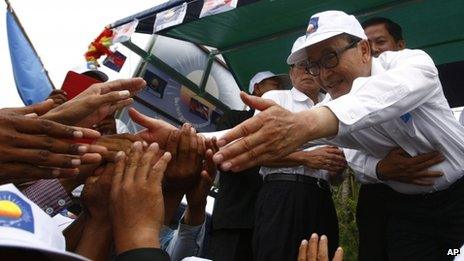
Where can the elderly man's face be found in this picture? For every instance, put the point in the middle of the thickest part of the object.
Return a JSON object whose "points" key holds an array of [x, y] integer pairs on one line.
{"points": [[304, 82], [352, 63], [381, 40]]}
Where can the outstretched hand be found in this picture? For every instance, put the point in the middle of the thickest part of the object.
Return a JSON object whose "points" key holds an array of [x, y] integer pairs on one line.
{"points": [[95, 103], [272, 134]]}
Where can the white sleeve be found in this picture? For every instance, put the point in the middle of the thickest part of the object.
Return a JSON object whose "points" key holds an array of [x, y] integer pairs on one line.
{"points": [[186, 240], [363, 165], [402, 81]]}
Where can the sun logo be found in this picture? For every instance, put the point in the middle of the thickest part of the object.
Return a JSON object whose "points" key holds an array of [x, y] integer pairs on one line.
{"points": [[15, 212], [9, 209], [312, 25]]}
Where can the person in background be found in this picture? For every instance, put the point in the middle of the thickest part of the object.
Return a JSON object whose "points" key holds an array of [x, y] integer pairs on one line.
{"points": [[234, 207], [383, 35], [371, 213], [296, 183], [375, 105]]}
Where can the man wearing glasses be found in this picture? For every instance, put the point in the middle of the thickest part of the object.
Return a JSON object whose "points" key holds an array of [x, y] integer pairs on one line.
{"points": [[295, 199], [374, 105]]}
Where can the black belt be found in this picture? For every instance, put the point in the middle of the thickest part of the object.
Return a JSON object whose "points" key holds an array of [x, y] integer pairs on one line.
{"points": [[321, 183]]}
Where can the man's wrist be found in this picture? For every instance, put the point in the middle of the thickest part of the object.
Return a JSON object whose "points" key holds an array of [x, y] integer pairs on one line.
{"points": [[378, 171], [194, 216], [126, 240]]}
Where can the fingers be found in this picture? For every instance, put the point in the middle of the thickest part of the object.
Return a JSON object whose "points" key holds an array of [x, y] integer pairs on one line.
{"points": [[132, 162], [39, 108], [311, 255], [323, 252], [210, 166], [338, 254], [248, 158], [426, 160], [131, 85], [146, 162], [22, 170], [302, 250], [256, 102], [212, 144], [195, 154], [201, 145], [44, 158], [91, 158], [140, 119], [121, 104], [124, 136], [185, 144], [46, 143], [93, 148], [119, 169], [245, 128], [173, 142], [51, 128], [157, 172]]}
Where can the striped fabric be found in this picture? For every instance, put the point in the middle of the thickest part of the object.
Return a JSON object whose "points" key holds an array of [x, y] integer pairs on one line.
{"points": [[49, 195]]}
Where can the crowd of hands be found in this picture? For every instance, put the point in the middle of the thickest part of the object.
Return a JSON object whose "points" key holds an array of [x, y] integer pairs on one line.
{"points": [[133, 182]]}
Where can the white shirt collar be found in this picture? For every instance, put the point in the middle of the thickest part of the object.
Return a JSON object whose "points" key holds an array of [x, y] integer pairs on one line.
{"points": [[301, 97]]}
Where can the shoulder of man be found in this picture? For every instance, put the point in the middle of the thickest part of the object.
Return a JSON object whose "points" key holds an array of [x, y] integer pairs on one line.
{"points": [[391, 59]]}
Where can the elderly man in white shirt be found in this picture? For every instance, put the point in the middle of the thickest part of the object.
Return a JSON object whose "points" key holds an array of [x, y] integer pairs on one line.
{"points": [[375, 105], [295, 199]]}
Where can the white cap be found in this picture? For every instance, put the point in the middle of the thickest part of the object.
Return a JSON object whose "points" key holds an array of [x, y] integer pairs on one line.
{"points": [[261, 76], [23, 225], [91, 71], [323, 26]]}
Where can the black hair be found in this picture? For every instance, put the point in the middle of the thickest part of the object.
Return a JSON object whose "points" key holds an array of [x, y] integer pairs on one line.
{"points": [[393, 28]]}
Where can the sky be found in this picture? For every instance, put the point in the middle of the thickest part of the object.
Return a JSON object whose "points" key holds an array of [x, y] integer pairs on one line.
{"points": [[61, 31]]}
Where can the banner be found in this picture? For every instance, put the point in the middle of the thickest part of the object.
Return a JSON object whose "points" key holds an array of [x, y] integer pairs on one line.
{"points": [[211, 7]]}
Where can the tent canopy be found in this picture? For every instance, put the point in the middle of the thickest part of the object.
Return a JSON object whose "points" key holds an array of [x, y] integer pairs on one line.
{"points": [[258, 35]]}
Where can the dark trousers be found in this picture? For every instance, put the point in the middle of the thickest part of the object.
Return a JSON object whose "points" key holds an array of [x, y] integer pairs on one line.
{"points": [[425, 227], [230, 245], [288, 212], [372, 220]]}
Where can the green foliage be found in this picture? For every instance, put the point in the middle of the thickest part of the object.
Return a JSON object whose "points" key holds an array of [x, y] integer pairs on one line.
{"points": [[345, 198]]}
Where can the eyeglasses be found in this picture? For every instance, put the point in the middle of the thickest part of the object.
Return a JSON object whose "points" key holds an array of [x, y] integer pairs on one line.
{"points": [[327, 61]]}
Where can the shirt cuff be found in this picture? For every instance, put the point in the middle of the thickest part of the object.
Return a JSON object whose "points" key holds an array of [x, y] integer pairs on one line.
{"points": [[191, 230], [49, 195], [370, 169]]}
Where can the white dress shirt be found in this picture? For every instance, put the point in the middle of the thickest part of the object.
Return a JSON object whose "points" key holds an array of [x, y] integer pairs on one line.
{"points": [[401, 105], [461, 118], [294, 101]]}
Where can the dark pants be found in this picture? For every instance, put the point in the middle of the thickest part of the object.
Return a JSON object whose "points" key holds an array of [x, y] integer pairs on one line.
{"points": [[288, 212], [425, 227], [371, 219], [230, 245]]}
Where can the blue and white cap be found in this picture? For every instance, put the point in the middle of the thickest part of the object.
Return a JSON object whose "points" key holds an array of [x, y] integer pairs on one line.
{"points": [[23, 225], [323, 26]]}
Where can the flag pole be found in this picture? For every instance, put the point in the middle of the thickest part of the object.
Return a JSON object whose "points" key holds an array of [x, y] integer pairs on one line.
{"points": [[10, 8]]}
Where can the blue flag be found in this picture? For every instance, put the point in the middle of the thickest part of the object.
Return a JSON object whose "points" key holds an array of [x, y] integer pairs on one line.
{"points": [[30, 76]]}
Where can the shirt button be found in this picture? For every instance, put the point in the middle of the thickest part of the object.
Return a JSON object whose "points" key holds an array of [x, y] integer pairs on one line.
{"points": [[61, 202], [49, 211]]}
